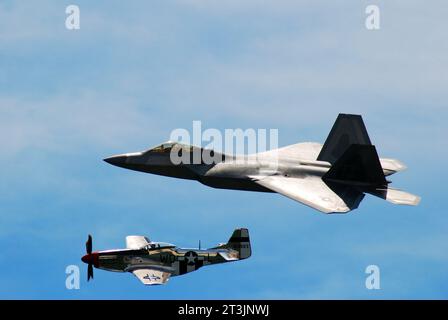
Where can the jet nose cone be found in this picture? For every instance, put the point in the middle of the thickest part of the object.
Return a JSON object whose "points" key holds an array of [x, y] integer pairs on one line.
{"points": [[118, 160]]}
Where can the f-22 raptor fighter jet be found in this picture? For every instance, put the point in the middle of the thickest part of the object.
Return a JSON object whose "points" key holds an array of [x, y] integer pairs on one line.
{"points": [[155, 262], [333, 177]]}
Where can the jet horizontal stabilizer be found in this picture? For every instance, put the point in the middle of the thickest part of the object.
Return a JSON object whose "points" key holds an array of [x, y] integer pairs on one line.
{"points": [[401, 197]]}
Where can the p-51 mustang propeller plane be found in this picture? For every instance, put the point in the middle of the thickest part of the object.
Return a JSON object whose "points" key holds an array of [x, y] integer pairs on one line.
{"points": [[155, 262], [333, 177]]}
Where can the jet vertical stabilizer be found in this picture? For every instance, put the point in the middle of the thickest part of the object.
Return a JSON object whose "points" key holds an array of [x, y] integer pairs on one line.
{"points": [[348, 129]]}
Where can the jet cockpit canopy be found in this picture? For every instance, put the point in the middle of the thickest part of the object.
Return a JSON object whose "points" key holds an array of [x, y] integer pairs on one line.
{"points": [[167, 146]]}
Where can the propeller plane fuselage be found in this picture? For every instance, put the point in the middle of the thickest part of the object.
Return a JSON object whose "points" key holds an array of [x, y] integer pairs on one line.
{"points": [[156, 262]]}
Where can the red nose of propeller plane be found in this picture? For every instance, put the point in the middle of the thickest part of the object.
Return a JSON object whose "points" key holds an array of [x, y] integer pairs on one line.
{"points": [[91, 258]]}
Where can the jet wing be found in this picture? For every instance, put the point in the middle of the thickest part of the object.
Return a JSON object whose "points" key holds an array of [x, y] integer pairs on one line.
{"points": [[311, 191], [151, 276], [136, 242]]}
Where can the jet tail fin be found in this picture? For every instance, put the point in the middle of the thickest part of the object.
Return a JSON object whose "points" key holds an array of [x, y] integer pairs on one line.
{"points": [[359, 169], [396, 196], [239, 241], [348, 129], [358, 166]]}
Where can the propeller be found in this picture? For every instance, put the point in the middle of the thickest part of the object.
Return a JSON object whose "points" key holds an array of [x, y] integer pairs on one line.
{"points": [[89, 258], [89, 245]]}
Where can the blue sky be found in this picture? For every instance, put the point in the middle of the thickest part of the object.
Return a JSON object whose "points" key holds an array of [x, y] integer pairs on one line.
{"points": [[137, 70]]}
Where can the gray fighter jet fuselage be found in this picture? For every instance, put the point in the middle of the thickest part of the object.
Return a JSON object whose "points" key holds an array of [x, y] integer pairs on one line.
{"points": [[330, 178], [231, 172]]}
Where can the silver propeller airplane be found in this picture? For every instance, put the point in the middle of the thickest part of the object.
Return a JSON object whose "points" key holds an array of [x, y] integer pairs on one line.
{"points": [[155, 262], [331, 178]]}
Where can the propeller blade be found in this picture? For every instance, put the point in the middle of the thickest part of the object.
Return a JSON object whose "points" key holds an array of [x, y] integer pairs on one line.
{"points": [[89, 272], [89, 245]]}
